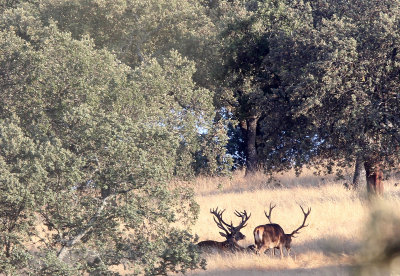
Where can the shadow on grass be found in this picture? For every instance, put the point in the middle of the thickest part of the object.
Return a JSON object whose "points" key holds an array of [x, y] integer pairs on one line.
{"points": [[260, 184], [329, 245], [324, 256], [326, 271]]}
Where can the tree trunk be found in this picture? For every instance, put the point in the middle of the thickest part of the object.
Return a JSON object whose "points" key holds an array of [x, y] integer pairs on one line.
{"points": [[357, 173], [8, 248], [252, 157], [374, 176], [243, 129]]}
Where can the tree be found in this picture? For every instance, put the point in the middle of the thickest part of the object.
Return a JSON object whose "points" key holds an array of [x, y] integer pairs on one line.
{"points": [[247, 80], [139, 29], [242, 50], [88, 146], [8, 4], [339, 72]]}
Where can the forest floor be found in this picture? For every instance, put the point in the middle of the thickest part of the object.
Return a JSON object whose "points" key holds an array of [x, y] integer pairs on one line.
{"points": [[347, 232]]}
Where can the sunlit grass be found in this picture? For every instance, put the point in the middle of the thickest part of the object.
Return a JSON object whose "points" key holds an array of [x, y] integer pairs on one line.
{"points": [[330, 245]]}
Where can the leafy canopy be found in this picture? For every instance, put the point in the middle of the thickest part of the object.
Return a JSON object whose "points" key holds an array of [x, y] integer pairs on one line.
{"points": [[88, 146]]}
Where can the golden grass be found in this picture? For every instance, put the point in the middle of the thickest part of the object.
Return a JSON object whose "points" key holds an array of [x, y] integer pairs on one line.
{"points": [[330, 245]]}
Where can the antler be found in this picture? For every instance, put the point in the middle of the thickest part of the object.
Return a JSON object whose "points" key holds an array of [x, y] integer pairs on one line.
{"points": [[220, 223], [304, 221], [229, 228], [243, 215], [269, 214]]}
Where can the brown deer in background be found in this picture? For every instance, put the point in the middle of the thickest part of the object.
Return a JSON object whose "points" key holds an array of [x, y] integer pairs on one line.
{"points": [[231, 233], [271, 236]]}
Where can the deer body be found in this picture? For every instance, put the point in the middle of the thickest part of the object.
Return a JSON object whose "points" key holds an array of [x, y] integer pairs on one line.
{"points": [[228, 245], [271, 236]]}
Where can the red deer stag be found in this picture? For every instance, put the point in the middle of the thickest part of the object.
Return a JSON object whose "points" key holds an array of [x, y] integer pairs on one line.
{"points": [[232, 233], [271, 236]]}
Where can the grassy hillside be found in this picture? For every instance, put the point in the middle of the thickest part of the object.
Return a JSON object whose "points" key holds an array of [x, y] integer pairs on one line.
{"points": [[334, 243]]}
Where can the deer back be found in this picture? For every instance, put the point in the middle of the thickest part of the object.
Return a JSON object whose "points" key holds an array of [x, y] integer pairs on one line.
{"points": [[228, 245], [213, 244], [269, 235]]}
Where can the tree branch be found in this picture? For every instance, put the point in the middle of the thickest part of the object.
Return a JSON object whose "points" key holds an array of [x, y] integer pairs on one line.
{"points": [[72, 241]]}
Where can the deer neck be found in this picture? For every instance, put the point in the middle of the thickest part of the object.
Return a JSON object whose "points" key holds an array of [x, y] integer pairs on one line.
{"points": [[232, 242]]}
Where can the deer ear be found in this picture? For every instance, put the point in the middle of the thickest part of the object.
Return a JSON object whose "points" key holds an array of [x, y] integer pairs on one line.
{"points": [[222, 234]]}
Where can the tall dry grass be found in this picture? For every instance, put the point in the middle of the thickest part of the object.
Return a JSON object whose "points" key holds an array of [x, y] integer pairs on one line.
{"points": [[332, 244]]}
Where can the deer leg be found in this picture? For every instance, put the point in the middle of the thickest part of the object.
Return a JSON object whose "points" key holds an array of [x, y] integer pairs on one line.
{"points": [[259, 249], [281, 250], [272, 250]]}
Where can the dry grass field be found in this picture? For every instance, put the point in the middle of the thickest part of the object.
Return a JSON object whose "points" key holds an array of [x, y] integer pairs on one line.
{"points": [[346, 230]]}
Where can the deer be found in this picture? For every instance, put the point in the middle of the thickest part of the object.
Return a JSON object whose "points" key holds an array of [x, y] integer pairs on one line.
{"points": [[231, 233], [271, 236]]}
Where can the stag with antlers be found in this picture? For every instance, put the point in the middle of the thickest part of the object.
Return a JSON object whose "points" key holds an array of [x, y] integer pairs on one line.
{"points": [[271, 236], [231, 233]]}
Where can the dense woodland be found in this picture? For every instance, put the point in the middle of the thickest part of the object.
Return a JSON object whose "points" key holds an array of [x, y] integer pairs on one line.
{"points": [[103, 103]]}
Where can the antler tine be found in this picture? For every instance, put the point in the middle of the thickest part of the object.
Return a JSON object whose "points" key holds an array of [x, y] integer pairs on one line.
{"points": [[305, 213], [220, 226], [270, 211], [243, 215], [220, 223], [240, 214], [304, 220]]}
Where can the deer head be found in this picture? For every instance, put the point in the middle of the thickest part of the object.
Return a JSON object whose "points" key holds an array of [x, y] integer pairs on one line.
{"points": [[288, 237], [230, 232]]}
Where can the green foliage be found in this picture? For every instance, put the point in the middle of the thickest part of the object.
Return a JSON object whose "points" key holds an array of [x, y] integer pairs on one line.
{"points": [[339, 74], [180, 250], [51, 265], [318, 76], [87, 147], [21, 188], [101, 106], [140, 35], [16, 262], [248, 32], [138, 29], [212, 159]]}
